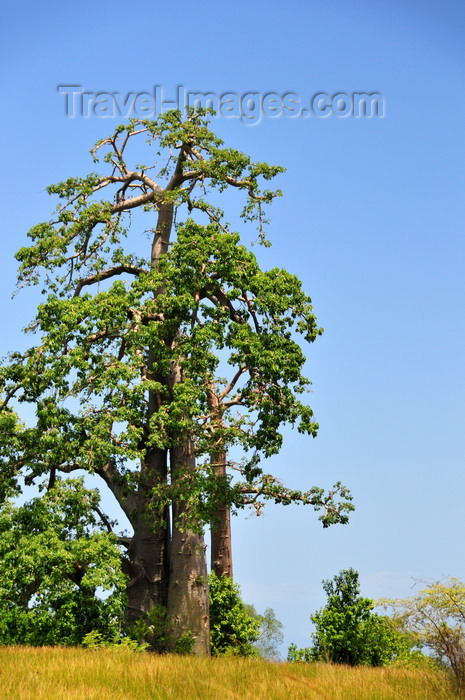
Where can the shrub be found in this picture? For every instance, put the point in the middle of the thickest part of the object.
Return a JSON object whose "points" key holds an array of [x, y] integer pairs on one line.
{"points": [[348, 632], [232, 629]]}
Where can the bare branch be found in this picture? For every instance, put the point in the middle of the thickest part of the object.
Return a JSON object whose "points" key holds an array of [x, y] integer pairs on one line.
{"points": [[232, 383], [103, 518], [106, 274]]}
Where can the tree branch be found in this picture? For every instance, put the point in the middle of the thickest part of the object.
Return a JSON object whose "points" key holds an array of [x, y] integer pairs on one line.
{"points": [[106, 274]]}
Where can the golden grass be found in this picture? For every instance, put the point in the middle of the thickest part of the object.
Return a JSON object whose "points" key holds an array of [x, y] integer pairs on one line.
{"points": [[78, 674]]}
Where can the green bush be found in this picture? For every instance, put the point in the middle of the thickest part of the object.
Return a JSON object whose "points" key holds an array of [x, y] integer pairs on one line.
{"points": [[232, 629], [55, 561], [348, 632], [95, 640]]}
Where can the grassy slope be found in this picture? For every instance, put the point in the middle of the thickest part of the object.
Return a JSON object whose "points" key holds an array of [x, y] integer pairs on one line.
{"points": [[77, 674]]}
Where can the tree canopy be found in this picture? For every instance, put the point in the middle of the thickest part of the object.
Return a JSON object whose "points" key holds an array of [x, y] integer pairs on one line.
{"points": [[54, 556]]}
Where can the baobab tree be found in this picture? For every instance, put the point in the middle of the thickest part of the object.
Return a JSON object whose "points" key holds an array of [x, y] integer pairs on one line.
{"points": [[149, 367]]}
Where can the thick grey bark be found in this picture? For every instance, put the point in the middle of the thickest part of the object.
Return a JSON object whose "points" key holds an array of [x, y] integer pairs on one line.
{"points": [[221, 544], [220, 526], [148, 552], [188, 610]]}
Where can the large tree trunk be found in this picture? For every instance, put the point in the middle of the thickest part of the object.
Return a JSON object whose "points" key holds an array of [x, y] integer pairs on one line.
{"points": [[168, 569], [220, 526], [221, 545], [188, 609], [148, 553]]}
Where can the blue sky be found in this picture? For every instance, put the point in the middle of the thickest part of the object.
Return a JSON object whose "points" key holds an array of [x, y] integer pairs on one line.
{"points": [[372, 220]]}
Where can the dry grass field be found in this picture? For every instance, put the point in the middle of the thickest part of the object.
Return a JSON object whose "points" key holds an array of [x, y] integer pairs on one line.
{"points": [[79, 674]]}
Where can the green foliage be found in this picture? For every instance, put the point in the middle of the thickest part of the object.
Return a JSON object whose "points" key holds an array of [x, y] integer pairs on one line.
{"points": [[185, 644], [435, 618], [95, 641], [55, 562], [152, 629], [101, 316], [296, 655], [348, 632], [152, 632], [233, 630], [342, 624]]}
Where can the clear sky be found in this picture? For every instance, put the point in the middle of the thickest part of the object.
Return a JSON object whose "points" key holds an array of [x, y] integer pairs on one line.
{"points": [[372, 220]]}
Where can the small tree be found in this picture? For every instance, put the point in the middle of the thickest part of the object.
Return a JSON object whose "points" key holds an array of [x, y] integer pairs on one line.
{"points": [[436, 619], [270, 633], [340, 625], [348, 632]]}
